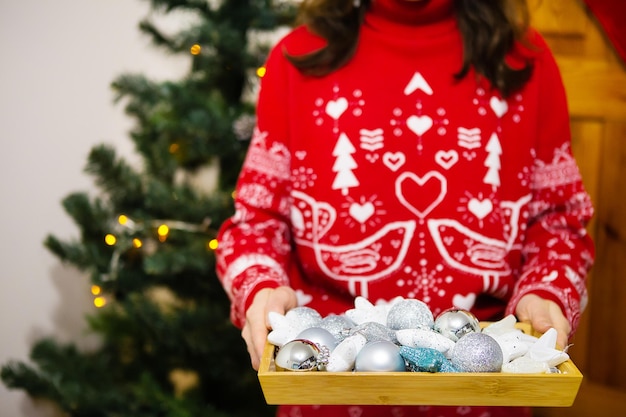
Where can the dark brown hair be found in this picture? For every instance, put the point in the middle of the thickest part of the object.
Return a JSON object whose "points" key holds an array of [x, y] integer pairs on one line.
{"points": [[489, 29]]}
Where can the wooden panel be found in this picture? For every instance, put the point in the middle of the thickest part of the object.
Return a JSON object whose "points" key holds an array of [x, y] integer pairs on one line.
{"points": [[586, 146], [595, 88], [608, 341], [558, 16]]}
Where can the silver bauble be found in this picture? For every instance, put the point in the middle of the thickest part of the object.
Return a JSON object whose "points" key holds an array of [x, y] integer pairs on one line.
{"points": [[319, 336], [455, 323], [409, 314], [297, 355], [338, 325], [304, 316], [380, 356], [374, 331], [477, 352]]}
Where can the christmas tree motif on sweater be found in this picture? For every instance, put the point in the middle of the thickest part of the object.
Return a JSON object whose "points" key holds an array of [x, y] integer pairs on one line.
{"points": [[493, 161], [344, 164]]}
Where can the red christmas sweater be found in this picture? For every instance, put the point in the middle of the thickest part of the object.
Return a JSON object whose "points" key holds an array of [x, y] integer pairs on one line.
{"points": [[389, 178]]}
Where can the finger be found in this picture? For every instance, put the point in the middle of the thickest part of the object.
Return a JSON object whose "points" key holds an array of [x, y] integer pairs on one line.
{"points": [[563, 327], [281, 300]]}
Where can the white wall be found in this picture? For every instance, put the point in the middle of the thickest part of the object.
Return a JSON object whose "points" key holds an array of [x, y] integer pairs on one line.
{"points": [[57, 60]]}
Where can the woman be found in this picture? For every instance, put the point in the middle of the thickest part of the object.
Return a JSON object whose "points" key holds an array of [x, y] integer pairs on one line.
{"points": [[414, 148]]}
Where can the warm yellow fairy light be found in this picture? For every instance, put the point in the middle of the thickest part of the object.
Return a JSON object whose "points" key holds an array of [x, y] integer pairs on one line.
{"points": [[137, 243], [110, 239], [260, 72], [96, 290], [99, 302], [163, 230], [233, 194], [174, 147], [213, 244], [195, 49], [122, 219]]}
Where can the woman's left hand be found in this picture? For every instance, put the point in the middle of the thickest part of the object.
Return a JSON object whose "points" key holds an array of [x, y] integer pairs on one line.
{"points": [[543, 314]]}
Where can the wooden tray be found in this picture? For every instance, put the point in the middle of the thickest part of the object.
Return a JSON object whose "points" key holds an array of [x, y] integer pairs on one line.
{"points": [[419, 388]]}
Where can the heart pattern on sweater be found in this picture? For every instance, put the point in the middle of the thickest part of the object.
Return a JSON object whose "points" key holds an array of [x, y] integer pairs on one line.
{"points": [[499, 107], [480, 208], [421, 194], [335, 108], [394, 160], [419, 124], [465, 302], [361, 212]]}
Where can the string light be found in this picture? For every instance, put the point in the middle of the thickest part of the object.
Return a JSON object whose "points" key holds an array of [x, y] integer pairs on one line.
{"points": [[96, 290], [213, 244], [174, 147], [110, 239], [261, 71], [99, 302], [195, 49], [163, 228]]}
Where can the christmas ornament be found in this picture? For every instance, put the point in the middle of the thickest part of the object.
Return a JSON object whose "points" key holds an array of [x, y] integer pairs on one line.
{"points": [[306, 316], [243, 126], [364, 311], [343, 357], [456, 323], [544, 350], [338, 325], [319, 336], [424, 338], [300, 355], [502, 326], [513, 344], [477, 352], [379, 356], [374, 331], [525, 365], [287, 327], [426, 360], [409, 314]]}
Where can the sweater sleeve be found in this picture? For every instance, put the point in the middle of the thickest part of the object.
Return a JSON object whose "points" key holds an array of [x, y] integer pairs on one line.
{"points": [[558, 251], [254, 244]]}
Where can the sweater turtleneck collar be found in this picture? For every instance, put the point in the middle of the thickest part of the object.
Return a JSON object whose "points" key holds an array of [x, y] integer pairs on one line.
{"points": [[399, 15]]}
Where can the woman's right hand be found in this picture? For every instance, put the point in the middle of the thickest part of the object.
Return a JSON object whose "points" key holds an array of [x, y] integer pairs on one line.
{"points": [[257, 327]]}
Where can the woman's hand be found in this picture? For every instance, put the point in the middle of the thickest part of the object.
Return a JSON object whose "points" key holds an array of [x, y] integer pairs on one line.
{"points": [[256, 328], [543, 314]]}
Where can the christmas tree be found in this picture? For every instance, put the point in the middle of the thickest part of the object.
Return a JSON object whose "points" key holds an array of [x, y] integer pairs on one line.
{"points": [[167, 346]]}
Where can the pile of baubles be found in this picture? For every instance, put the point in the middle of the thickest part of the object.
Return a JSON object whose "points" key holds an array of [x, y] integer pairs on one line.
{"points": [[404, 336]]}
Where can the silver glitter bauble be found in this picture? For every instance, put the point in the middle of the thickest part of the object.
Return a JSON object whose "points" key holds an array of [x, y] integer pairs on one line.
{"points": [[298, 355], [338, 325], [374, 332], [319, 336], [243, 127], [409, 314], [380, 356], [477, 352], [455, 323], [304, 316]]}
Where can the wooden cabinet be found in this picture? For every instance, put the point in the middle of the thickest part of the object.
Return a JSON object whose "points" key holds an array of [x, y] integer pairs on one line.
{"points": [[595, 79]]}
